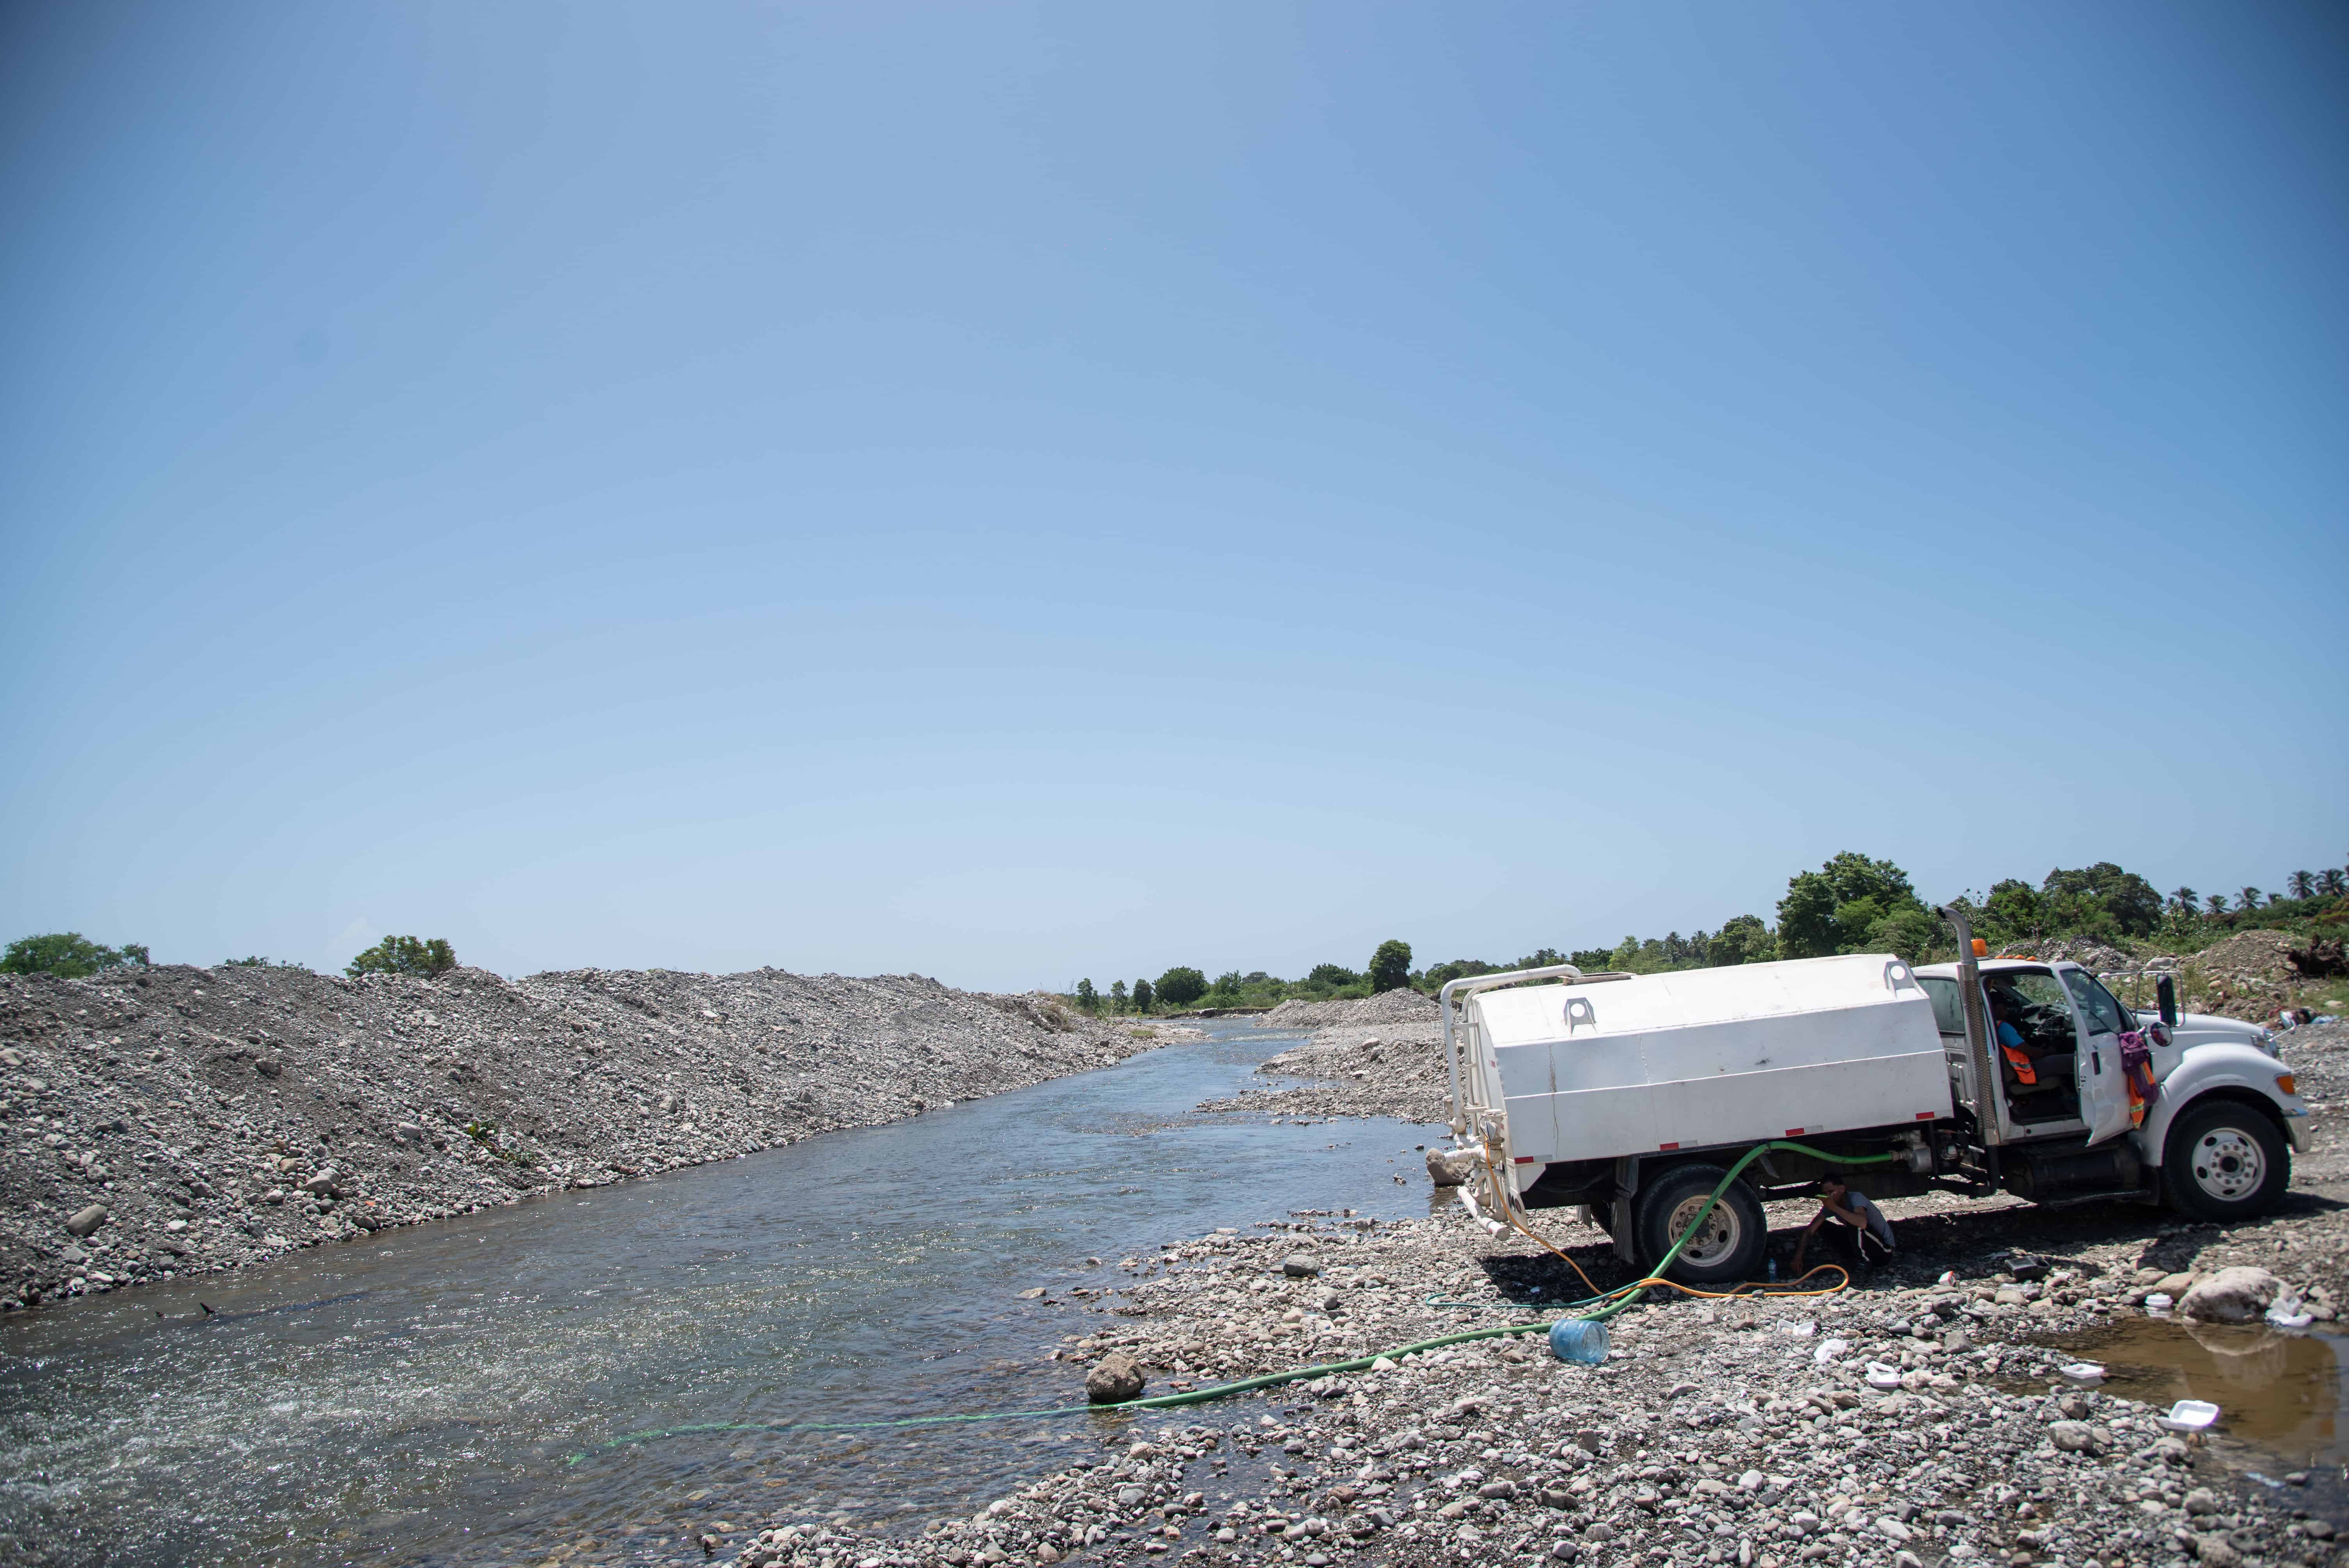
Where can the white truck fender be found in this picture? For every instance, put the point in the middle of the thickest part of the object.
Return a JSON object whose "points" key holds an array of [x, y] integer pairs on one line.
{"points": [[2204, 1069]]}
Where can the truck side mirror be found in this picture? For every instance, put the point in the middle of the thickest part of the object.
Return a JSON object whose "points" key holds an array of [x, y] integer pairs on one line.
{"points": [[2166, 990]]}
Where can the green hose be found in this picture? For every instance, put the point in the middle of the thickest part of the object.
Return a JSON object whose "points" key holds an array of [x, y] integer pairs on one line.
{"points": [[1621, 1297]]}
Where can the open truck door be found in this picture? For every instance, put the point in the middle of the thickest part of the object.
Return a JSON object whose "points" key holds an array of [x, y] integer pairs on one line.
{"points": [[2104, 1084]]}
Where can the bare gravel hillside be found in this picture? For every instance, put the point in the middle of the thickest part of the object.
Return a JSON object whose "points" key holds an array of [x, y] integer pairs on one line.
{"points": [[176, 1119]]}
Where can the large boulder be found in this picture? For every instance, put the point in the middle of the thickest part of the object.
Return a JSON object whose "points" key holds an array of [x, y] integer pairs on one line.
{"points": [[2238, 1295], [1115, 1378]]}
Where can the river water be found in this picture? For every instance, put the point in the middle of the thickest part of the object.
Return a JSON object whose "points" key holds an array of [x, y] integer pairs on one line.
{"points": [[419, 1397]]}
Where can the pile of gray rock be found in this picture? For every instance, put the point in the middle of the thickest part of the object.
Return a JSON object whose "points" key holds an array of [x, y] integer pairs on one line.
{"points": [[1380, 1056], [1399, 1007], [173, 1119]]}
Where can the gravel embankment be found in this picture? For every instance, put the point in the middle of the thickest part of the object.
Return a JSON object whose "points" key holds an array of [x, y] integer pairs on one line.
{"points": [[1380, 1056], [201, 1119]]}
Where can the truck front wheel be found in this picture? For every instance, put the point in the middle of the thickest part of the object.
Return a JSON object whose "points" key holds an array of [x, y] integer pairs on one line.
{"points": [[2224, 1160], [1727, 1247]]}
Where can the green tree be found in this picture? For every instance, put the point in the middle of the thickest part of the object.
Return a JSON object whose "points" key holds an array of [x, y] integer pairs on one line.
{"points": [[1807, 917], [1117, 996], [1087, 998], [1439, 975], [67, 954], [1180, 986], [1855, 877], [2333, 884], [2183, 899], [1743, 939], [1227, 986], [2215, 903], [2128, 902], [1390, 966], [1142, 996], [1910, 930], [405, 956], [1843, 905], [2303, 885], [2013, 912], [2251, 898], [1332, 975]]}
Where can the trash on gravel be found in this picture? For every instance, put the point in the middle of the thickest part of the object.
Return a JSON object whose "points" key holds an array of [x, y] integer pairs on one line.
{"points": [[2189, 1416], [2088, 1373]]}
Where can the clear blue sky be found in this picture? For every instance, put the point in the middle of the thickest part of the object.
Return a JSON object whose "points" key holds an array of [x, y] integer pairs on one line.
{"points": [[1016, 493]]}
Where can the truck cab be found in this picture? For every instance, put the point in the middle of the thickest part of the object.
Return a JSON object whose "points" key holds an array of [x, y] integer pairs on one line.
{"points": [[2210, 1127]]}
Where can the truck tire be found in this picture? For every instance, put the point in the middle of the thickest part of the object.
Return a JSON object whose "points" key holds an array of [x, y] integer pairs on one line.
{"points": [[2224, 1160], [1735, 1233]]}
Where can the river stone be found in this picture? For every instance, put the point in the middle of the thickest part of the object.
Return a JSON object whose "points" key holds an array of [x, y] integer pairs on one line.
{"points": [[1446, 1169], [1299, 1265], [85, 1220], [1598, 1531], [324, 1182], [2076, 1437], [1115, 1378], [2215, 1550], [2235, 1294]]}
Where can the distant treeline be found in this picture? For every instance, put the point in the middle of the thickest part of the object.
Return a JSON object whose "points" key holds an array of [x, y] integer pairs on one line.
{"points": [[1851, 904]]}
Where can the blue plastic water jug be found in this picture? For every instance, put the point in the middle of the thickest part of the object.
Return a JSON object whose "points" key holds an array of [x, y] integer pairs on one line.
{"points": [[1579, 1340]]}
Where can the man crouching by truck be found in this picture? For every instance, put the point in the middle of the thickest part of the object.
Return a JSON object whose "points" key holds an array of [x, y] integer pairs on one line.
{"points": [[1870, 1232]]}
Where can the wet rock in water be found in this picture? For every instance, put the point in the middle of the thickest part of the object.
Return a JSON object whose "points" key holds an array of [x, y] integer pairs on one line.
{"points": [[2201, 1500], [1447, 1168], [85, 1220], [1299, 1265], [1115, 1378], [2235, 1294]]}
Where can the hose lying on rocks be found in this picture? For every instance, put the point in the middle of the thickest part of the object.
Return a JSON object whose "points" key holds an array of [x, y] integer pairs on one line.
{"points": [[1610, 1302]]}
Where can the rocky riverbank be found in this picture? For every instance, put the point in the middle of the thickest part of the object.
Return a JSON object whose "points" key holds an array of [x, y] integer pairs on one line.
{"points": [[175, 1119], [1721, 1431]]}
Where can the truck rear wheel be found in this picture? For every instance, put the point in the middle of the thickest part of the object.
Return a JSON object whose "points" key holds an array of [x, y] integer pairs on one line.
{"points": [[2224, 1160], [1727, 1247]]}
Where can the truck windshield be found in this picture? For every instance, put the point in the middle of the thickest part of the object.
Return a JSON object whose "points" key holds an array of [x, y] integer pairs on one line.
{"points": [[1948, 1011]]}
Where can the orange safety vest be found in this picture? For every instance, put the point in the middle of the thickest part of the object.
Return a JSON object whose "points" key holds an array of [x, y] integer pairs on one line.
{"points": [[2024, 1073]]}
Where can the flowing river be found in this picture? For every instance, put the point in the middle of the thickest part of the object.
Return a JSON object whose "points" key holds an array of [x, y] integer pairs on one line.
{"points": [[445, 1394]]}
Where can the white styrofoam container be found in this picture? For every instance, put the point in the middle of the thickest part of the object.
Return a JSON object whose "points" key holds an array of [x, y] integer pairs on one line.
{"points": [[1704, 1057]]}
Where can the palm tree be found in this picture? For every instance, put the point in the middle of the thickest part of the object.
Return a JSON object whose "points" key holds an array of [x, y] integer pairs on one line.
{"points": [[2251, 898], [2216, 902], [2184, 899], [2333, 884], [2303, 885]]}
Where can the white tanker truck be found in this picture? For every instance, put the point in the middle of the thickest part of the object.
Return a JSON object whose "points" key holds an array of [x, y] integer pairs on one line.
{"points": [[1631, 1096]]}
